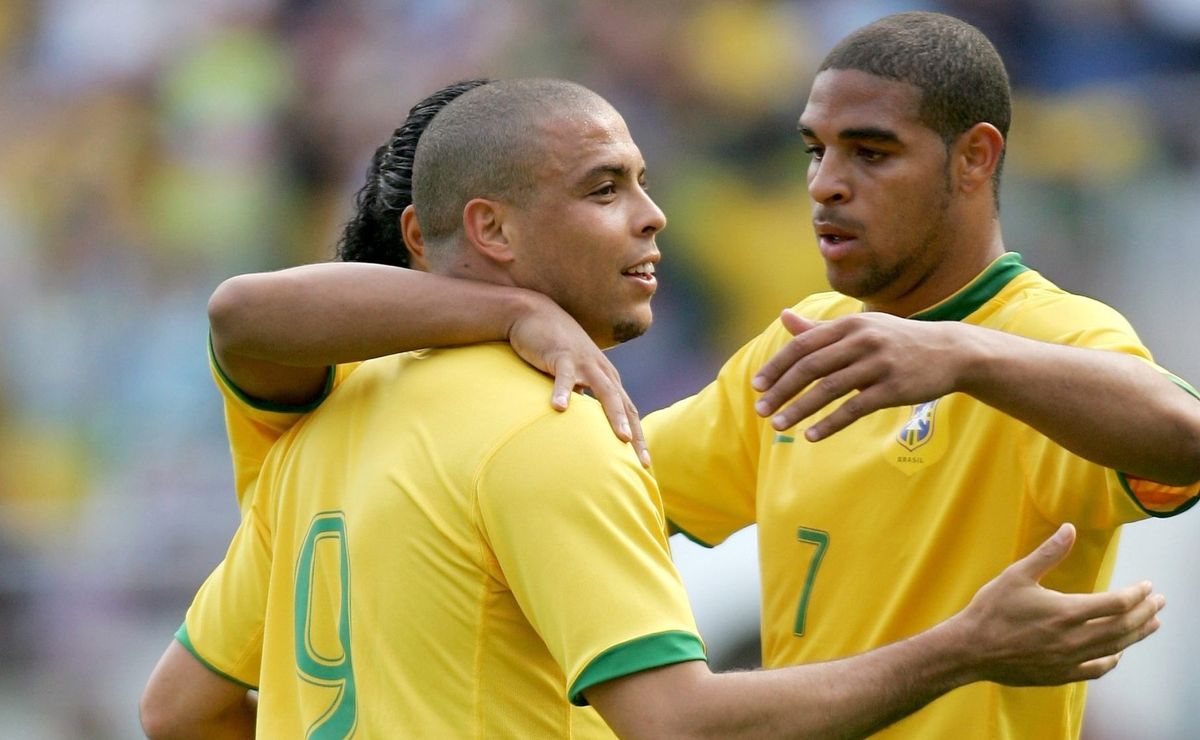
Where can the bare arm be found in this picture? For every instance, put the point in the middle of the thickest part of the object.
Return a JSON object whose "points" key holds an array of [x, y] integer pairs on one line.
{"points": [[1014, 632], [184, 700], [1109, 408], [275, 334]]}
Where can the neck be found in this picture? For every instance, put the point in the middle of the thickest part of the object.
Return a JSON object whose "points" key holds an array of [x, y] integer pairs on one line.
{"points": [[962, 259]]}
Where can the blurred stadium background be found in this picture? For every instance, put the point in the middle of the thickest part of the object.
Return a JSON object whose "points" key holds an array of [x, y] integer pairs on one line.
{"points": [[151, 149]]}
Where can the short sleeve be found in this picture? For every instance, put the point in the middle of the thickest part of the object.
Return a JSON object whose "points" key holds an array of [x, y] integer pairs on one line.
{"points": [[223, 628], [706, 448], [577, 531], [1059, 479], [253, 425]]}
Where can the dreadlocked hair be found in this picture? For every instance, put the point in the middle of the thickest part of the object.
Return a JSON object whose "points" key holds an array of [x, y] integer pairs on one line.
{"points": [[373, 233]]}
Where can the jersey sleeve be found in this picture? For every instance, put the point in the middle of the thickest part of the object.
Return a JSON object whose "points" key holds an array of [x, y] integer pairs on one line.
{"points": [[1059, 479], [577, 532], [253, 425], [223, 628], [706, 448]]}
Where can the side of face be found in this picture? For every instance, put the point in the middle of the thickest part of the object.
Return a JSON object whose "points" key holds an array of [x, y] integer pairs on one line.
{"points": [[586, 236], [880, 186]]}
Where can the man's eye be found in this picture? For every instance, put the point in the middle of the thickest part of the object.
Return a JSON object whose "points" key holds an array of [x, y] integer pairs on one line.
{"points": [[606, 189], [816, 152], [871, 155]]}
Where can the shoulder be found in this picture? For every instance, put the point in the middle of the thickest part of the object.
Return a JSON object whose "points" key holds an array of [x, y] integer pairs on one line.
{"points": [[827, 305], [1035, 307]]}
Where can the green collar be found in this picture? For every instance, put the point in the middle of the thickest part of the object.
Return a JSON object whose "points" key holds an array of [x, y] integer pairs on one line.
{"points": [[977, 292]]}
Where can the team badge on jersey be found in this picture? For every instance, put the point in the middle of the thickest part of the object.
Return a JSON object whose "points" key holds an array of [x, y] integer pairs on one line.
{"points": [[919, 427]]}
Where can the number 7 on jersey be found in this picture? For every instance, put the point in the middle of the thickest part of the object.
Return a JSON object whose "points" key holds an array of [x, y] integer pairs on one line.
{"points": [[821, 540]]}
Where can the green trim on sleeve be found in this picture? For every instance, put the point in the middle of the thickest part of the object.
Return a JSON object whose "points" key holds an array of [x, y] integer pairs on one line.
{"points": [[635, 656], [262, 405], [978, 292], [1148, 512], [1183, 384], [182, 636], [674, 528], [1125, 480]]}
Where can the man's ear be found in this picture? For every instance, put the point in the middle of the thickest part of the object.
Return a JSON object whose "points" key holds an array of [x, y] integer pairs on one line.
{"points": [[485, 229], [411, 231], [977, 155]]}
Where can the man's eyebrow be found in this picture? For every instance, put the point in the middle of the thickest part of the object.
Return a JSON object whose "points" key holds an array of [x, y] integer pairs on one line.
{"points": [[865, 133], [617, 170]]}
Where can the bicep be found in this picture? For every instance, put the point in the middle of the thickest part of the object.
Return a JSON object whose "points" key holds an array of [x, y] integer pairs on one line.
{"points": [[651, 703], [183, 695]]}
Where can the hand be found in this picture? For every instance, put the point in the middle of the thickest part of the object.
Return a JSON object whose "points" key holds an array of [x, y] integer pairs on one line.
{"points": [[890, 361], [1027, 635], [549, 339]]}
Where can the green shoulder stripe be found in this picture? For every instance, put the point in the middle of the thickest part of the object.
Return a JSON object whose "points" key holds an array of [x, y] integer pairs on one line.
{"points": [[182, 636], [640, 654], [260, 404]]}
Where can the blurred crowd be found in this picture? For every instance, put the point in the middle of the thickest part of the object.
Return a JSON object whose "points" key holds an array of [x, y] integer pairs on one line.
{"points": [[151, 149]]}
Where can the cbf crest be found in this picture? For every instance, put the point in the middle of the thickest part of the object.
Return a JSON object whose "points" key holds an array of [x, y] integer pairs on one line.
{"points": [[919, 428]]}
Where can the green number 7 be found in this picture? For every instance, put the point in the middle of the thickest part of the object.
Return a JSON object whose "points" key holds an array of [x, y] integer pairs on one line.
{"points": [[821, 540]]}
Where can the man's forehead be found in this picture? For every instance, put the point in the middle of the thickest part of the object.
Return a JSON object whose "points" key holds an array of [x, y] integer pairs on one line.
{"points": [[850, 98], [576, 143]]}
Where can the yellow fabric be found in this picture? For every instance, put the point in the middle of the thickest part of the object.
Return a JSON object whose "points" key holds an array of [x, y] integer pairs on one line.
{"points": [[254, 425], [891, 525], [494, 552]]}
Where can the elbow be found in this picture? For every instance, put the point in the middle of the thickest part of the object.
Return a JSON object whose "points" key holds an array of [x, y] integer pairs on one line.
{"points": [[159, 719], [230, 309]]}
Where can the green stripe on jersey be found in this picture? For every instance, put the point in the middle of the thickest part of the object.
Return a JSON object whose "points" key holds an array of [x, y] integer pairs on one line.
{"points": [[635, 656]]}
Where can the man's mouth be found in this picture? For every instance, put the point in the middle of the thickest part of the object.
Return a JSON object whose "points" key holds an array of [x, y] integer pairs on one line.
{"points": [[643, 271]]}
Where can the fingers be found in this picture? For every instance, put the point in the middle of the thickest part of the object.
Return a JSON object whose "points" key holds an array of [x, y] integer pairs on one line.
{"points": [[836, 367], [791, 353], [794, 322], [604, 383], [851, 410], [1094, 669], [1095, 606], [1050, 553], [613, 400], [1113, 634], [564, 383], [639, 438]]}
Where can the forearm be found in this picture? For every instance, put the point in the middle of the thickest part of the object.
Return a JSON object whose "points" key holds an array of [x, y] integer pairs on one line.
{"points": [[1110, 408], [852, 697], [847, 698], [324, 314]]}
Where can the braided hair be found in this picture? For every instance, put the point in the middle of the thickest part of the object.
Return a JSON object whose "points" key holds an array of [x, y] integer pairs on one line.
{"points": [[373, 233]]}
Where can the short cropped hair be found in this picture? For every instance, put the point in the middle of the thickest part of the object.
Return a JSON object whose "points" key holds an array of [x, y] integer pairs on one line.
{"points": [[487, 144], [957, 69]]}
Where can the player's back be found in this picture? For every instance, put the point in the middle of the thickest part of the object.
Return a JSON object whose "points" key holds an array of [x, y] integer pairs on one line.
{"points": [[387, 611]]}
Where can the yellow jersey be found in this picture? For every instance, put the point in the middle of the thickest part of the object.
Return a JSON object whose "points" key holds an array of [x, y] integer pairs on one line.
{"points": [[436, 552], [253, 424], [891, 525]]}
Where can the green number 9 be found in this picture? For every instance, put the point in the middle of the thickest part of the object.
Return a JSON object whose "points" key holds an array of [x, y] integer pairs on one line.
{"points": [[336, 671]]}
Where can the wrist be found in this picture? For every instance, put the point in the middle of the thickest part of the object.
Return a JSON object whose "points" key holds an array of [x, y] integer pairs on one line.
{"points": [[517, 304], [979, 359], [960, 659]]}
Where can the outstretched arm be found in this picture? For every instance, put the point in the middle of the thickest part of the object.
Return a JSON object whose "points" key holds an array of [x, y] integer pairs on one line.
{"points": [[1013, 632], [1110, 408], [275, 334]]}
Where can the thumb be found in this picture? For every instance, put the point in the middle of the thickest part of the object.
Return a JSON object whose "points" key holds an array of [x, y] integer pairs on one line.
{"points": [[795, 323], [1047, 555]]}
